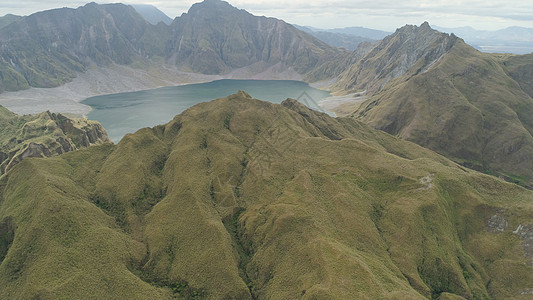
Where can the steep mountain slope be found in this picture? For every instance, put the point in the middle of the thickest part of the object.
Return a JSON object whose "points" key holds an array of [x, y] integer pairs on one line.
{"points": [[44, 135], [8, 19], [520, 68], [243, 199], [152, 14], [470, 106], [49, 48], [214, 37], [394, 56]]}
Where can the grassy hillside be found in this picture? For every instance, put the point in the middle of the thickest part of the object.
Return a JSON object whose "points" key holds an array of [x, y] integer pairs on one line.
{"points": [[520, 68], [466, 107], [44, 135], [243, 199]]}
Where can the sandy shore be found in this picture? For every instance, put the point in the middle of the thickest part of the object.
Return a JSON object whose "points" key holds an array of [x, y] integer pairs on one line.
{"points": [[94, 82], [119, 79], [342, 105]]}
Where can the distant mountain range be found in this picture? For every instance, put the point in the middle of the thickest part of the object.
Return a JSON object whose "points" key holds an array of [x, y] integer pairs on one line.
{"points": [[102, 35], [348, 38], [152, 14], [8, 19], [359, 31], [518, 40], [46, 50]]}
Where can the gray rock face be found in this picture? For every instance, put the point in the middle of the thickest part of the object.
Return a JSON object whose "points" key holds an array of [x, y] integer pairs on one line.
{"points": [[341, 40], [47, 49], [212, 38], [152, 14], [525, 232], [45, 135], [498, 223], [396, 54], [66, 145]]}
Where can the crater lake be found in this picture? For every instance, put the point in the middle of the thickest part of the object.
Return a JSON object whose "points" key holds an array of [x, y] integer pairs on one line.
{"points": [[124, 113]]}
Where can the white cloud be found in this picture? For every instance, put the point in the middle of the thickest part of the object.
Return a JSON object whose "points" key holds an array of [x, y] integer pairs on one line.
{"points": [[381, 14]]}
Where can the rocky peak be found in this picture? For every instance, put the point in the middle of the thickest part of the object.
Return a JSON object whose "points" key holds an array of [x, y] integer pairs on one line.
{"points": [[44, 135], [214, 37], [410, 49], [425, 25], [211, 7], [413, 28], [418, 32], [243, 94], [70, 40]]}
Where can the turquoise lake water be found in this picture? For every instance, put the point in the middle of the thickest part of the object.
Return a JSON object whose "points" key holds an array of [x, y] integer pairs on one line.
{"points": [[128, 112]]}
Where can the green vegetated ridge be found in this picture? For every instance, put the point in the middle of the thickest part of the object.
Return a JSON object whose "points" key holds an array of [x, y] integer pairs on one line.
{"points": [[243, 199], [44, 135], [520, 68], [49, 48], [475, 108]]}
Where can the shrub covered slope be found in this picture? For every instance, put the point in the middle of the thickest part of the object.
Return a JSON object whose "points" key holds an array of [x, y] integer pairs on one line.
{"points": [[240, 199]]}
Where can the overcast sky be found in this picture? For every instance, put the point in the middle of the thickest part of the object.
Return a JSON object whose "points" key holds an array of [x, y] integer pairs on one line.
{"points": [[379, 14]]}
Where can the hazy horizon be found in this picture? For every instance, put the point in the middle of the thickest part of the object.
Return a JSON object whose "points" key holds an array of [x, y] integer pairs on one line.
{"points": [[384, 15]]}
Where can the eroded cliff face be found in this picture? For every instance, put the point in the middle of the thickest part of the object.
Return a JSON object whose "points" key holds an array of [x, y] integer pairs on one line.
{"points": [[44, 135], [50, 48], [214, 37]]}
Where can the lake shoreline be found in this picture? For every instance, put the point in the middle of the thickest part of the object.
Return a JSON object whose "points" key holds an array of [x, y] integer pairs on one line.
{"points": [[98, 81], [95, 82], [122, 113]]}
